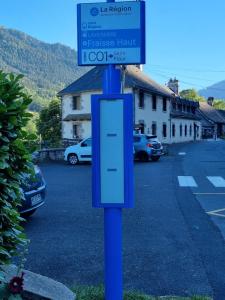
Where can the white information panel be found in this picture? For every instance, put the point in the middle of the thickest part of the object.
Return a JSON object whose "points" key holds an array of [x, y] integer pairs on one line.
{"points": [[112, 151], [111, 33]]}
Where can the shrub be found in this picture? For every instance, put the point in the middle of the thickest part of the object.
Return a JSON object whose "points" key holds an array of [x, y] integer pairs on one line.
{"points": [[14, 162]]}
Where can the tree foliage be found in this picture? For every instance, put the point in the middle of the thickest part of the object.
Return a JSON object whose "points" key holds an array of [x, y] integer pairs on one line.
{"points": [[219, 104], [49, 124], [14, 161], [191, 94], [31, 126]]}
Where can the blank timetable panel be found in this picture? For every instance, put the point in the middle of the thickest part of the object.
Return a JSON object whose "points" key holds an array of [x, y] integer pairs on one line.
{"points": [[112, 150]]}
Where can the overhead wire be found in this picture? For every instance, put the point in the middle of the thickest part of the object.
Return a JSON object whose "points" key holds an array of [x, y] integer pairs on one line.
{"points": [[167, 76], [188, 69]]}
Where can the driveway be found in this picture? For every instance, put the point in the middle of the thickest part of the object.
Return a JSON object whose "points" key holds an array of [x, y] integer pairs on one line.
{"points": [[170, 243]]}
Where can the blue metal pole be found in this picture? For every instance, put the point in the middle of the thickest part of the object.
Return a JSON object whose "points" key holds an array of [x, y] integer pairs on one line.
{"points": [[113, 254], [113, 216]]}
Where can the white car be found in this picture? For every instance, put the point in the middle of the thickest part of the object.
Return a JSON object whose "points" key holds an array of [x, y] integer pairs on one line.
{"points": [[78, 153]]}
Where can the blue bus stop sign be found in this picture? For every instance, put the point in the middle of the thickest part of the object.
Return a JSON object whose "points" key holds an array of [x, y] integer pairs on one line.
{"points": [[111, 33]]}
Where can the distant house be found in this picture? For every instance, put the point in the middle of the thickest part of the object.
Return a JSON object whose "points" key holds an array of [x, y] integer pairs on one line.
{"points": [[213, 120], [158, 110]]}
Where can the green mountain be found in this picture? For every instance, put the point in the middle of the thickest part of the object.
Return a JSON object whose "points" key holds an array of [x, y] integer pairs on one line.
{"points": [[47, 67]]}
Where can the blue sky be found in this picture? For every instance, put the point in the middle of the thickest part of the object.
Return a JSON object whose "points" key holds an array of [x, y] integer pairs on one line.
{"points": [[184, 38]]}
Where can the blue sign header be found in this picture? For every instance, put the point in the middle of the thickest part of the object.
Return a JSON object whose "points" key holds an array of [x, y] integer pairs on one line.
{"points": [[111, 33]]}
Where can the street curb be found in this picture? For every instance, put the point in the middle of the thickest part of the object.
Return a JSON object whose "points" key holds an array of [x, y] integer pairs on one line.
{"points": [[38, 287]]}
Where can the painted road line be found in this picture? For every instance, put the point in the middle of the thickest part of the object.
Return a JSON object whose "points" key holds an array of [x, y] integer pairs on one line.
{"points": [[217, 181], [182, 153], [208, 193], [217, 212], [187, 181]]}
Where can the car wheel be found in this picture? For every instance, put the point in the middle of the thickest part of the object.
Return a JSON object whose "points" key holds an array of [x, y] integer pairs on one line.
{"points": [[155, 158], [143, 156], [73, 159], [28, 214]]}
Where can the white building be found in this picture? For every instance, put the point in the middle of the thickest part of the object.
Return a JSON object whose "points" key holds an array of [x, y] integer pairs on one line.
{"points": [[157, 109]]}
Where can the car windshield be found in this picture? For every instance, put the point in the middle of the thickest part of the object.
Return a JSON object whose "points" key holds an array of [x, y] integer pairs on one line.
{"points": [[86, 143], [151, 137]]}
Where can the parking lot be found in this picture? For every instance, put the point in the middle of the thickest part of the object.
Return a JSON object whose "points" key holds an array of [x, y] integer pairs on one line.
{"points": [[170, 243]]}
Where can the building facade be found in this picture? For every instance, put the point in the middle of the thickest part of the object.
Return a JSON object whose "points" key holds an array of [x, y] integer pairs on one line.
{"points": [[212, 120], [157, 109]]}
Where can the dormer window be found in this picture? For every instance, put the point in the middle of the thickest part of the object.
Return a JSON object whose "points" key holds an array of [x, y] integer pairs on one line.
{"points": [[154, 103], [76, 102], [164, 104], [154, 128], [141, 99], [164, 130]]}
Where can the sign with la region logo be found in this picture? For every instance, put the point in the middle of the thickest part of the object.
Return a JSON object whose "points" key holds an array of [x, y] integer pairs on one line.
{"points": [[111, 33]]}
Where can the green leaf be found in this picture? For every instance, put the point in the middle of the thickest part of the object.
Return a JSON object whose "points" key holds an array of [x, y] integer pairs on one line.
{"points": [[2, 276], [3, 180], [13, 120], [3, 165], [11, 76], [3, 252], [18, 77], [4, 294], [32, 136], [11, 134], [4, 139]]}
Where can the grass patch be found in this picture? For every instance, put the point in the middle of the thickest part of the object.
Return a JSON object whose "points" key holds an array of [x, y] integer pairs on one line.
{"points": [[97, 293]]}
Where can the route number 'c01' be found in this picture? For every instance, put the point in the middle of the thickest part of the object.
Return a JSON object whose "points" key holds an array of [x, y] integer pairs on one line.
{"points": [[96, 56]]}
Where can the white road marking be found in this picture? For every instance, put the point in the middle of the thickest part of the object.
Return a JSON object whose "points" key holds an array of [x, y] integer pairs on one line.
{"points": [[208, 193], [217, 212], [182, 153], [217, 181], [213, 140], [187, 181]]}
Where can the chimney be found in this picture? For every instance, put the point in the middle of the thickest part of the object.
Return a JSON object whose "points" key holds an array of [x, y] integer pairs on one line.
{"points": [[140, 67], [210, 101], [173, 84]]}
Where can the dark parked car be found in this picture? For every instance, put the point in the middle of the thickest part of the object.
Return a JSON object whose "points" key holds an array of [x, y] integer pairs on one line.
{"points": [[34, 189], [147, 147]]}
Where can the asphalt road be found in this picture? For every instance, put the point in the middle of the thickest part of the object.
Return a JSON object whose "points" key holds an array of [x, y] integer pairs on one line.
{"points": [[171, 244]]}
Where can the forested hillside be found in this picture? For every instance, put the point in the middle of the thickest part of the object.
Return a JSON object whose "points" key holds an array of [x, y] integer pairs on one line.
{"points": [[47, 67]]}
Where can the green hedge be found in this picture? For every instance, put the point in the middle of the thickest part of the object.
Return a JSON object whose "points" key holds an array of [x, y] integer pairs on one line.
{"points": [[14, 162]]}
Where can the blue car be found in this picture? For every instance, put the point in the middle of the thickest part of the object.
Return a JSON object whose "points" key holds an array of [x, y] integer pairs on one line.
{"points": [[34, 190], [147, 147]]}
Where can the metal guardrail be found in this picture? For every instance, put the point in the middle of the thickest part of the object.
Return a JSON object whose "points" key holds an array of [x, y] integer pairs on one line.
{"points": [[48, 154]]}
